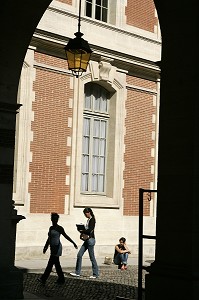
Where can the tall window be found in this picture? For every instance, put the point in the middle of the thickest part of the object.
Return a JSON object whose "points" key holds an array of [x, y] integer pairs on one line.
{"points": [[97, 9], [95, 125]]}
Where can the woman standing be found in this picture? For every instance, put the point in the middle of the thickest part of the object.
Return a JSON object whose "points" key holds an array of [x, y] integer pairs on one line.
{"points": [[87, 245], [121, 254], [55, 250]]}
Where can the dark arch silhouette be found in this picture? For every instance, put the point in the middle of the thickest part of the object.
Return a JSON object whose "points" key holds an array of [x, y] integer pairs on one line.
{"points": [[18, 20], [174, 274]]}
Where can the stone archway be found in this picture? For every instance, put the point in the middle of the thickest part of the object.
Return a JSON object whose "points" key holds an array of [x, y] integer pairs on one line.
{"points": [[18, 21], [174, 275]]}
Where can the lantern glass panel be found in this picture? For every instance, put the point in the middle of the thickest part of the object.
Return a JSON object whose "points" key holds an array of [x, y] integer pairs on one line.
{"points": [[71, 59], [77, 60]]}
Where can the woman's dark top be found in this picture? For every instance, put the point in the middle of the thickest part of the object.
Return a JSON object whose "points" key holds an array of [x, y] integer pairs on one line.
{"points": [[91, 227], [120, 247]]}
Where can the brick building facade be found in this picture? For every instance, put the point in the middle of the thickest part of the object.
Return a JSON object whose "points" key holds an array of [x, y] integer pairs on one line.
{"points": [[54, 170]]}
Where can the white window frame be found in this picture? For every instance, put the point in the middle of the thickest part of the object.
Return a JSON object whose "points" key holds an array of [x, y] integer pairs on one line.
{"points": [[116, 85], [94, 5], [88, 185]]}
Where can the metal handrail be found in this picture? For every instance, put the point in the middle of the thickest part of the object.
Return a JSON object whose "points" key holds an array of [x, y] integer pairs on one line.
{"points": [[140, 241]]}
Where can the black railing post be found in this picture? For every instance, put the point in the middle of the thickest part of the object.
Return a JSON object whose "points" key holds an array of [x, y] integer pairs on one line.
{"points": [[141, 237], [140, 252]]}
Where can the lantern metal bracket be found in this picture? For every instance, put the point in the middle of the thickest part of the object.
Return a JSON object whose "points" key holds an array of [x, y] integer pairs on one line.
{"points": [[78, 51]]}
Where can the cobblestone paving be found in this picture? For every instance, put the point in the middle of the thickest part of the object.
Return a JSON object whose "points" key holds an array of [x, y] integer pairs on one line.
{"points": [[111, 283]]}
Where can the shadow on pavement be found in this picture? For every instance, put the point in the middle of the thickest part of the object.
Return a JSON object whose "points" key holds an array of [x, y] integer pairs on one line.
{"points": [[111, 283]]}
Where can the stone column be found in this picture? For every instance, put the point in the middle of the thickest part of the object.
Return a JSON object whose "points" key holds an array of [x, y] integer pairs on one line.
{"points": [[175, 272], [18, 21], [11, 279]]}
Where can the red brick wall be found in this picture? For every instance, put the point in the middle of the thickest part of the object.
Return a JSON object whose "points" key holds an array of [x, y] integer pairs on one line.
{"points": [[50, 131], [141, 14], [138, 143]]}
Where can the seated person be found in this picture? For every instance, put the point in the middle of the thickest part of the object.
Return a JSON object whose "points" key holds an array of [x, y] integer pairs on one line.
{"points": [[121, 254]]}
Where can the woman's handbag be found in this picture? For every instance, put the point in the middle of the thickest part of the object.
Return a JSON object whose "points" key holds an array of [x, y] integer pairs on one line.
{"points": [[84, 237]]}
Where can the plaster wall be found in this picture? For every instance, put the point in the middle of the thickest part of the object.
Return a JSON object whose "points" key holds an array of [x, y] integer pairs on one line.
{"points": [[126, 39], [110, 226]]}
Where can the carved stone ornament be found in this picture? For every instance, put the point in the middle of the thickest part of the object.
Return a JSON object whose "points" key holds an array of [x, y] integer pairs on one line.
{"points": [[104, 70]]}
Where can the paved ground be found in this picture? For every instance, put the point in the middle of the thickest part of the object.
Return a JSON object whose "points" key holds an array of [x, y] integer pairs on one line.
{"points": [[110, 284]]}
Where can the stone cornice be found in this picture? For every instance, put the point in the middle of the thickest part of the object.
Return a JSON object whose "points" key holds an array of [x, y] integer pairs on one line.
{"points": [[53, 44], [105, 25]]}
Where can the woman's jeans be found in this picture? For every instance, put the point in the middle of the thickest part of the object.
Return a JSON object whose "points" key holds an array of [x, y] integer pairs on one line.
{"points": [[87, 245], [53, 260], [121, 258]]}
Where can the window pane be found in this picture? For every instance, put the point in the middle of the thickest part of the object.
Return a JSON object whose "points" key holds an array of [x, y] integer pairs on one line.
{"points": [[104, 14], [84, 186], [94, 183], [102, 147], [99, 2], [101, 165], [87, 102], [95, 165], [100, 183], [96, 94], [85, 146], [103, 102], [88, 9], [105, 3], [95, 146], [103, 129], [85, 164], [98, 13], [86, 127], [96, 128], [97, 104]]}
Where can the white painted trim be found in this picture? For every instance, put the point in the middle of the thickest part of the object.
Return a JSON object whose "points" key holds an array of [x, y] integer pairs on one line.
{"points": [[24, 134], [116, 83]]}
